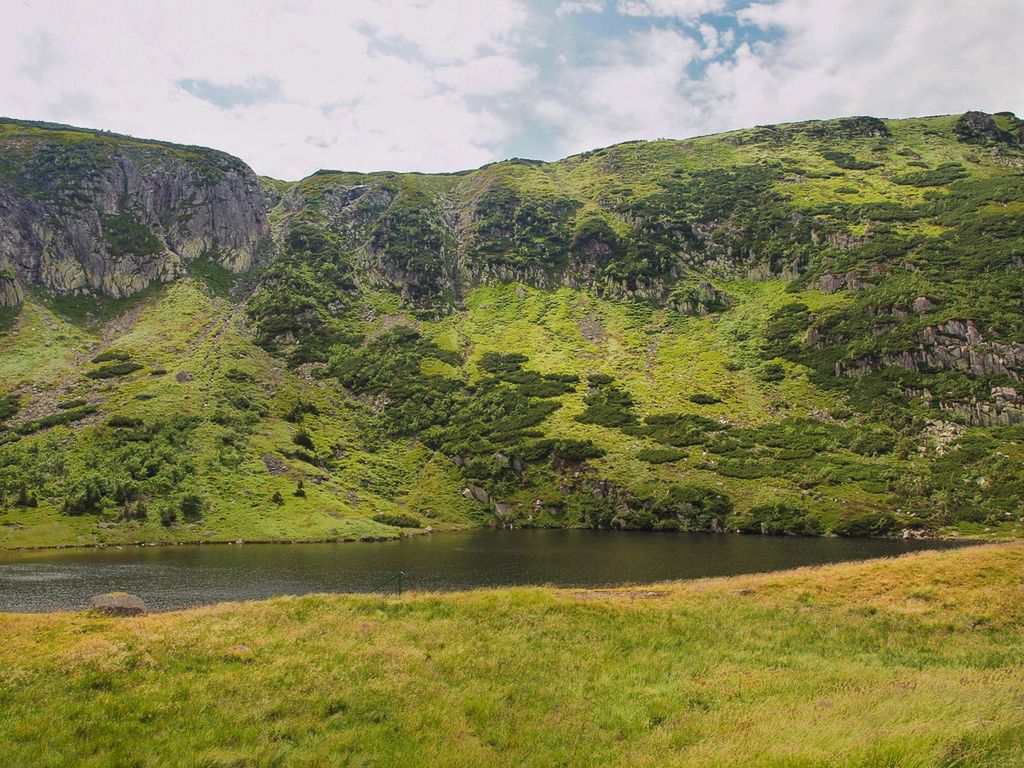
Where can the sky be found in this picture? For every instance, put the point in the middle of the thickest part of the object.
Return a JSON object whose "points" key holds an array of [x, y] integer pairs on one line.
{"points": [[292, 86]]}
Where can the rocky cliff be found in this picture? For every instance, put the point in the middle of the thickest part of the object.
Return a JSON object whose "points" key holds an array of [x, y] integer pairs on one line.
{"points": [[914, 224], [86, 212]]}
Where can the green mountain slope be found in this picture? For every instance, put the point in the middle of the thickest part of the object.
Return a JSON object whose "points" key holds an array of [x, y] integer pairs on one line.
{"points": [[789, 329]]}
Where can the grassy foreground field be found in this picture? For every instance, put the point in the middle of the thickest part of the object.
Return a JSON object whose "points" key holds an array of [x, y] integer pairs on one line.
{"points": [[916, 661]]}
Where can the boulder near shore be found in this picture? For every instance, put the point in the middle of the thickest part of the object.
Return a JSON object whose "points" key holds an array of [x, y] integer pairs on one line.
{"points": [[118, 604]]}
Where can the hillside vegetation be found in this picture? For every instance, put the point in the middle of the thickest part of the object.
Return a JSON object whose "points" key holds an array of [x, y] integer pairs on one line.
{"points": [[917, 661], [793, 329]]}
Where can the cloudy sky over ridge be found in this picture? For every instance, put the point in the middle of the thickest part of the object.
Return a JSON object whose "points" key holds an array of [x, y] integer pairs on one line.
{"points": [[433, 85]]}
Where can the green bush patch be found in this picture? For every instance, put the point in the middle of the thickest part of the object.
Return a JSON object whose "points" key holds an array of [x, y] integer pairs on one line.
{"points": [[124, 235], [112, 370]]}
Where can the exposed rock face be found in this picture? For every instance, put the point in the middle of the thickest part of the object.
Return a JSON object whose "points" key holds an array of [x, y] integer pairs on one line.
{"points": [[113, 216], [951, 346], [701, 299], [1004, 406], [118, 604], [861, 127], [834, 283], [476, 492], [11, 294], [981, 128], [957, 345]]}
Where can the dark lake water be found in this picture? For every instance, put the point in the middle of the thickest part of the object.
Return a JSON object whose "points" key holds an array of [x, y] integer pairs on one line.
{"points": [[176, 577]]}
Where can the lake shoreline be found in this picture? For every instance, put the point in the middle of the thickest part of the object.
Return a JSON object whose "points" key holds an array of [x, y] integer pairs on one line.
{"points": [[170, 577], [415, 532], [641, 589]]}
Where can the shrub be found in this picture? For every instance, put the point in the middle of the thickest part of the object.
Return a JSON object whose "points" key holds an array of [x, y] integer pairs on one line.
{"points": [[946, 173], [277, 498], [112, 355], [124, 234], [694, 507], [111, 370], [874, 444], [168, 516], [52, 420], [609, 406], [702, 398], [870, 524], [8, 406], [136, 511], [86, 496], [779, 518], [26, 499], [239, 376], [398, 520], [849, 162], [661, 455], [303, 439], [499, 364], [676, 429], [567, 450], [126, 491], [593, 512], [629, 519], [191, 505], [300, 490], [771, 372], [299, 409], [124, 422]]}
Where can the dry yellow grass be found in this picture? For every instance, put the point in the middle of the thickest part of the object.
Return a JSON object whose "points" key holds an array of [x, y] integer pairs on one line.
{"points": [[915, 661]]}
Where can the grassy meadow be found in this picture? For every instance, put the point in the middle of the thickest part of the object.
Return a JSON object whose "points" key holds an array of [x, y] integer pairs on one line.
{"points": [[914, 661]]}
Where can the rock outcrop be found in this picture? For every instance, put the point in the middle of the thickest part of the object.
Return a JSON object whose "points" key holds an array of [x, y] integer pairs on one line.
{"points": [[956, 345], [118, 604], [830, 284], [11, 294], [700, 298], [97, 214], [981, 128]]}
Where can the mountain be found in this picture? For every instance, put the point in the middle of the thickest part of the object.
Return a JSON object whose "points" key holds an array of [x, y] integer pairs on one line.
{"points": [[801, 328]]}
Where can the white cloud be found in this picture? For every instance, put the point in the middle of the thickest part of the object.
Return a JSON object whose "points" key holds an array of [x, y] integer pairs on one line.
{"points": [[876, 57], [41, 55], [631, 93], [373, 84], [569, 7], [679, 9], [295, 85], [814, 59], [487, 75]]}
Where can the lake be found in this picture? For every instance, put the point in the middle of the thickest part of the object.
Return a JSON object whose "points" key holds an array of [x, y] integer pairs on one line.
{"points": [[176, 577]]}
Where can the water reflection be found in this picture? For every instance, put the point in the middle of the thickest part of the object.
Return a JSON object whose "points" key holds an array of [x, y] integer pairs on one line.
{"points": [[175, 577]]}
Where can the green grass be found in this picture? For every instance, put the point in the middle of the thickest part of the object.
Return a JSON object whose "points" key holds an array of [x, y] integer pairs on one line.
{"points": [[355, 481], [902, 663], [188, 334], [217, 278]]}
